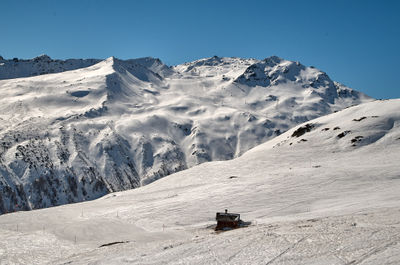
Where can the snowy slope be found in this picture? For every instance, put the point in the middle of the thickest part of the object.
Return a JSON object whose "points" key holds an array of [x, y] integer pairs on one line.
{"points": [[325, 192], [118, 124]]}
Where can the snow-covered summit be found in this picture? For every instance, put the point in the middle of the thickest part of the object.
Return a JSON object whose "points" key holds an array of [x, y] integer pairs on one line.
{"points": [[153, 64], [118, 124], [43, 58], [274, 71], [228, 66]]}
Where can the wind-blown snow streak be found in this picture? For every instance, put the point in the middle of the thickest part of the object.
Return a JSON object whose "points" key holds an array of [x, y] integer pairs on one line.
{"points": [[115, 125]]}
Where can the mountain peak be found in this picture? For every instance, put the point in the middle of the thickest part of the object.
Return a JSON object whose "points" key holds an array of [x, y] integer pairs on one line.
{"points": [[207, 66], [43, 58], [110, 59], [211, 61], [148, 59], [273, 59]]}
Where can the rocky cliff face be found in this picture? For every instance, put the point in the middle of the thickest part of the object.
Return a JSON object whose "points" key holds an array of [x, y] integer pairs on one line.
{"points": [[114, 125]]}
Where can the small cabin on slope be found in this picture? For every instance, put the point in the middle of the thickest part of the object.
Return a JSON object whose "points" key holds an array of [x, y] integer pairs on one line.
{"points": [[227, 220]]}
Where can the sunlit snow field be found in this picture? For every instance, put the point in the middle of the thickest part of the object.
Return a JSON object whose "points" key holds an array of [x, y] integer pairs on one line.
{"points": [[328, 196]]}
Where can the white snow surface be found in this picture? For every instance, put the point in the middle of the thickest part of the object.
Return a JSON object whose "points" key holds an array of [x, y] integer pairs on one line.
{"points": [[324, 192], [72, 136]]}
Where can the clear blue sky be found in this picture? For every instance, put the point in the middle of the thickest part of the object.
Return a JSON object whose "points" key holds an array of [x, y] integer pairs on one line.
{"points": [[356, 42]]}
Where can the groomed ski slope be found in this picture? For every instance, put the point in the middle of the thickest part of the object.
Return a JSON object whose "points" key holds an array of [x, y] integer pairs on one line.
{"points": [[328, 196]]}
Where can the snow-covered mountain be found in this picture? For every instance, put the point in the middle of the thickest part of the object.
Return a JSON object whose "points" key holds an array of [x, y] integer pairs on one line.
{"points": [[40, 65], [43, 64], [325, 192], [117, 124]]}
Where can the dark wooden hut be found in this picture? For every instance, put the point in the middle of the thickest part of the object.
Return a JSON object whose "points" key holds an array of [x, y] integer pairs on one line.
{"points": [[227, 220]]}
